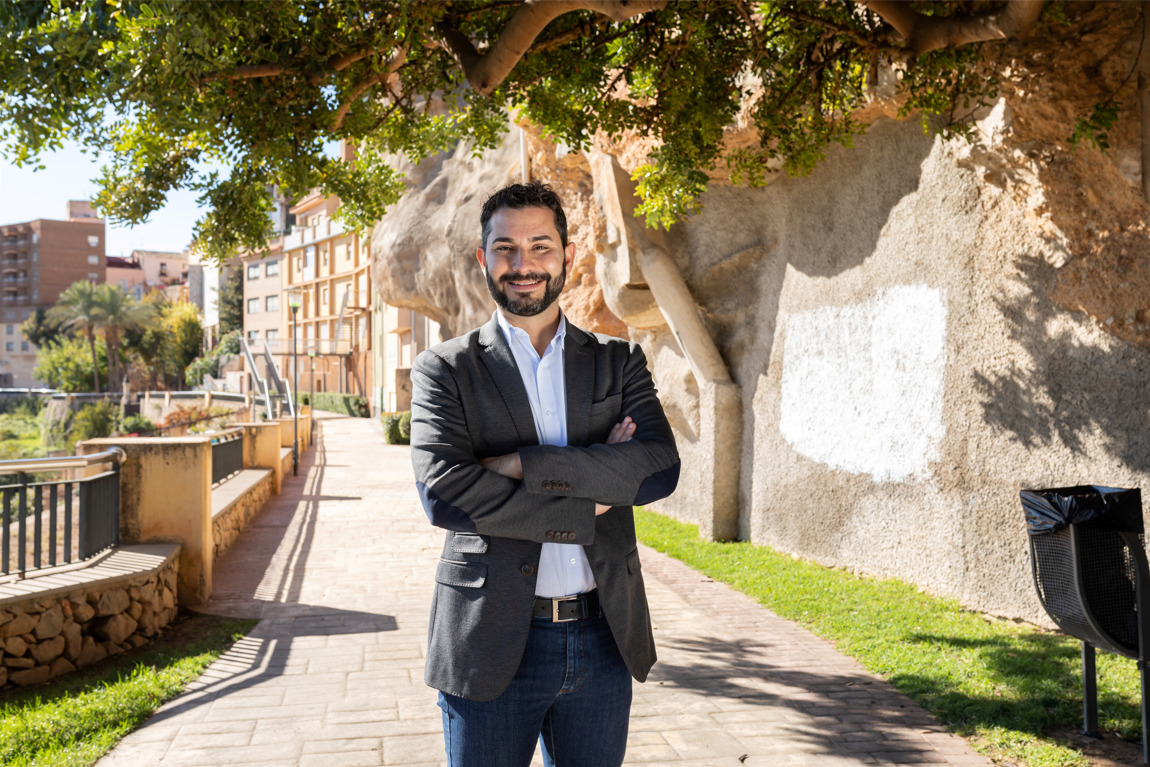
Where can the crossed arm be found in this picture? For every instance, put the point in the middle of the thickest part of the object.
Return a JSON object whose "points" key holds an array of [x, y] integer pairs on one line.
{"points": [[489, 496], [510, 465]]}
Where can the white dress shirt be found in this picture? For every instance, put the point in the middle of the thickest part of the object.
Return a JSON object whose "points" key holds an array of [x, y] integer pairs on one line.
{"points": [[563, 567]]}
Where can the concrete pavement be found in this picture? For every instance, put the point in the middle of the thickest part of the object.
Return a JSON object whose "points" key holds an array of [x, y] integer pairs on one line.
{"points": [[339, 568]]}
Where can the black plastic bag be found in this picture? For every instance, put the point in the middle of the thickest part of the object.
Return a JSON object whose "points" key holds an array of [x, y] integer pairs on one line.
{"points": [[1048, 511]]}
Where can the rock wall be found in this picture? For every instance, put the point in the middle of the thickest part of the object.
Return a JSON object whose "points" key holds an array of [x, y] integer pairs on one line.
{"points": [[41, 638], [234, 518], [919, 329]]}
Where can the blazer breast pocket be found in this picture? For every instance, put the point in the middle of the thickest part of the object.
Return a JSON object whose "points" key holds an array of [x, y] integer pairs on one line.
{"points": [[470, 575]]}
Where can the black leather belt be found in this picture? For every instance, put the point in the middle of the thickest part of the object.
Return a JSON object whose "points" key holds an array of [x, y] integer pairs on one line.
{"points": [[563, 609]]}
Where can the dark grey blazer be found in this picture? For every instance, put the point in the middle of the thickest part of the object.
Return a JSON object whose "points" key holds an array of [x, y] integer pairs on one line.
{"points": [[468, 403]]}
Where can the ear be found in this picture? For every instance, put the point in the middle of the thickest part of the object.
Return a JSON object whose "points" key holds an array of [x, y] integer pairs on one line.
{"points": [[481, 258], [569, 255]]}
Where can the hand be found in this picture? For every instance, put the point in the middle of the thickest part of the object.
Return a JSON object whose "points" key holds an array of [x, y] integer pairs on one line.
{"points": [[620, 432], [508, 465]]}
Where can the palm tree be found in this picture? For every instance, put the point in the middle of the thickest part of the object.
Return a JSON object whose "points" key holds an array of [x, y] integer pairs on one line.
{"points": [[78, 307], [118, 312]]}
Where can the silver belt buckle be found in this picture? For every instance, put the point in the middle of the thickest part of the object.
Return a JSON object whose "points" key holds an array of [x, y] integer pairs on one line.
{"points": [[555, 609]]}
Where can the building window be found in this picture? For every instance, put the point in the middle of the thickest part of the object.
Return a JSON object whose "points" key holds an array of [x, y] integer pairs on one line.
{"points": [[93, 241], [11, 329], [35, 294], [323, 297], [273, 303], [253, 306], [273, 335], [23, 346], [325, 256], [35, 255], [347, 252], [10, 346], [253, 336], [163, 269], [272, 269], [93, 277], [253, 271], [35, 239], [93, 259]]}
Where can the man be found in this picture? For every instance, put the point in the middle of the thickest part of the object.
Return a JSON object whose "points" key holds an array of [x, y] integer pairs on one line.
{"points": [[531, 440]]}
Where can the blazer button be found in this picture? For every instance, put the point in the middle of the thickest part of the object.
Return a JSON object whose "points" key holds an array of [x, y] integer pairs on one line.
{"points": [[567, 486], [527, 569], [546, 484], [550, 535]]}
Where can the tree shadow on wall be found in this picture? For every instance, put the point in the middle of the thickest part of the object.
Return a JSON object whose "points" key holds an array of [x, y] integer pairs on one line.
{"points": [[1063, 388]]}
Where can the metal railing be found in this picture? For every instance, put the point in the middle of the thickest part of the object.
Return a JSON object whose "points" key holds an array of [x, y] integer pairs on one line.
{"points": [[227, 454], [31, 516]]}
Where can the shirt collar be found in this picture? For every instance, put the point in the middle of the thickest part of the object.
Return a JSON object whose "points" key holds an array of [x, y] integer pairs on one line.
{"points": [[510, 331]]}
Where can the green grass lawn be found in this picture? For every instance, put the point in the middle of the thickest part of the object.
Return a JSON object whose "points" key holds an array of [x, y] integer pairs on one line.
{"points": [[73, 720], [1003, 685]]}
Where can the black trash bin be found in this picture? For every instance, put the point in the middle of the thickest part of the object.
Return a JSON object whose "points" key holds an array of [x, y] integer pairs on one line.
{"points": [[1088, 557]]}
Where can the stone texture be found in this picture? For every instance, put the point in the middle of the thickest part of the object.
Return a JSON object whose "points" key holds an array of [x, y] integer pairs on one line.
{"points": [[134, 611], [62, 666], [111, 602], [82, 612], [74, 640], [15, 646], [29, 677], [116, 628], [51, 623], [20, 624], [18, 662], [3, 675], [91, 652], [47, 651]]}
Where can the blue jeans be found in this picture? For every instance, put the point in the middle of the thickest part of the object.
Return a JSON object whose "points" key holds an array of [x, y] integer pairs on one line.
{"points": [[572, 693]]}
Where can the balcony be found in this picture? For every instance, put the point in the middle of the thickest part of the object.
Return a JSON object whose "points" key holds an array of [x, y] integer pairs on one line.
{"points": [[306, 235]]}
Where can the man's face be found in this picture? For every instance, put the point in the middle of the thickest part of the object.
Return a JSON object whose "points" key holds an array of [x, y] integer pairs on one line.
{"points": [[525, 262]]}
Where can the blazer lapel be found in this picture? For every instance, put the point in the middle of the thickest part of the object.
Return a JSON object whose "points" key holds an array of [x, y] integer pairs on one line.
{"points": [[579, 375], [500, 364]]}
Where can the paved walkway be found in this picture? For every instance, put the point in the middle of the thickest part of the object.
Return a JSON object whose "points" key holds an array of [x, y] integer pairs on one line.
{"points": [[340, 566]]}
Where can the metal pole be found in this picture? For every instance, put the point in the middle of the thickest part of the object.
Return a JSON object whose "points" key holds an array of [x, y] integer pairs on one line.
{"points": [[295, 389], [311, 398]]}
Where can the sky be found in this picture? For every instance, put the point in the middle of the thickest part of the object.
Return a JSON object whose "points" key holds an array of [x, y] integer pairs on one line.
{"points": [[27, 194]]}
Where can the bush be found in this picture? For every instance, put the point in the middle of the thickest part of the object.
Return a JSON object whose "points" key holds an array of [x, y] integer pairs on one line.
{"points": [[29, 405], [334, 402], [395, 432], [94, 421], [137, 424], [229, 346]]}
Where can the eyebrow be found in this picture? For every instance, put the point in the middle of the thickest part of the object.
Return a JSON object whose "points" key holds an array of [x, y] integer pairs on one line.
{"points": [[536, 238]]}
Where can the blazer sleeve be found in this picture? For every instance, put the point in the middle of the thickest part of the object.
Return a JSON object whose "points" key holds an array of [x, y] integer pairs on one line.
{"points": [[457, 492], [640, 471]]}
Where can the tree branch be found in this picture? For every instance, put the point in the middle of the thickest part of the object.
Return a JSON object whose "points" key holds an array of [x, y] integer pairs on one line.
{"points": [[927, 33], [393, 65], [245, 73], [485, 71]]}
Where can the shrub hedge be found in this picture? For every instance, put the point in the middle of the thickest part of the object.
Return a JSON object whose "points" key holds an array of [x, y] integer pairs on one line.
{"points": [[334, 402], [397, 427]]}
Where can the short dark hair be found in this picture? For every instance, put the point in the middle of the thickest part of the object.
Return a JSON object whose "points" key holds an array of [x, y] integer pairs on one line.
{"points": [[533, 194]]}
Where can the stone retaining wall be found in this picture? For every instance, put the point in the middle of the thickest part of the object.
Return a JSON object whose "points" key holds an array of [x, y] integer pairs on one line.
{"points": [[43, 637], [234, 518]]}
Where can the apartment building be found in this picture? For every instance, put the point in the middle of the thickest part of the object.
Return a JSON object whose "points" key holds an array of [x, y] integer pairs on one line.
{"points": [[264, 305], [325, 268], [401, 334], [38, 261]]}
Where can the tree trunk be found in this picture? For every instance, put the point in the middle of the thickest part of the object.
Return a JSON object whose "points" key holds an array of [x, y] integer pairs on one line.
{"points": [[95, 361]]}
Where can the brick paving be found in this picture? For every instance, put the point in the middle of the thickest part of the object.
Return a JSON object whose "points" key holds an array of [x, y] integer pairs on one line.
{"points": [[339, 570]]}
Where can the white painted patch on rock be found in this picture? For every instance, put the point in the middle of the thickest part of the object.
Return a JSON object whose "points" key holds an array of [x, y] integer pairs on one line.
{"points": [[862, 385]]}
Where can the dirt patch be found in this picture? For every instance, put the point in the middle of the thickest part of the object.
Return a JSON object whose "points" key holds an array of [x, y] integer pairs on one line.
{"points": [[1107, 751]]}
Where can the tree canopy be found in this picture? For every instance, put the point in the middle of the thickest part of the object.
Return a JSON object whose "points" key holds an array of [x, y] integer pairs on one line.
{"points": [[234, 99]]}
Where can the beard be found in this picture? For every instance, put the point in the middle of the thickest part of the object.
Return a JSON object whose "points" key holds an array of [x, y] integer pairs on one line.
{"points": [[526, 306]]}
